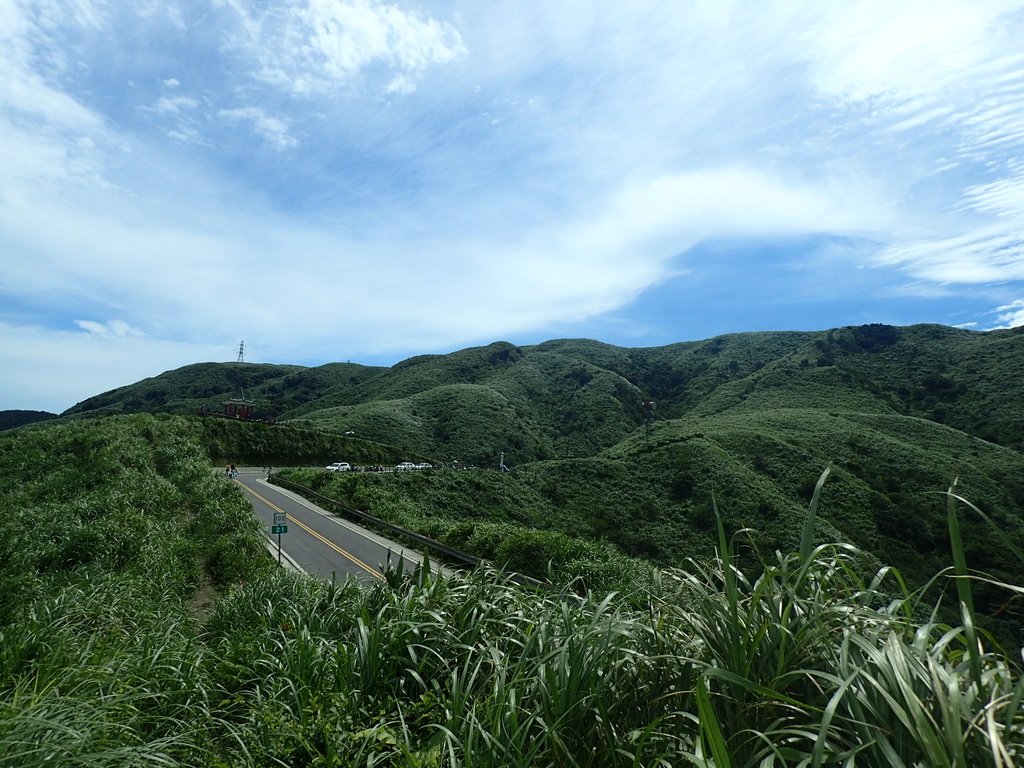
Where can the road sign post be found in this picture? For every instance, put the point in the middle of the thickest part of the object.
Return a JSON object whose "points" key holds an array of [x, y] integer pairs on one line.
{"points": [[279, 527]]}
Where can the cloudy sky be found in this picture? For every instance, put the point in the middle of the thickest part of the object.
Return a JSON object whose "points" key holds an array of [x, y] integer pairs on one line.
{"points": [[366, 180]]}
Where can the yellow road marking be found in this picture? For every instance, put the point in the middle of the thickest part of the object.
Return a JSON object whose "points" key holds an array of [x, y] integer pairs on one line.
{"points": [[344, 553]]}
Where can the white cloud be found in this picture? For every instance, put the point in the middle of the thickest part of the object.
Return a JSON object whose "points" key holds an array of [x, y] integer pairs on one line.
{"points": [[175, 105], [318, 45], [160, 11], [401, 84], [172, 82], [743, 201], [944, 83], [579, 268], [982, 256], [1004, 197], [367, 294], [273, 129], [602, 260], [47, 136], [111, 328], [30, 59], [873, 48], [187, 135], [1010, 315]]}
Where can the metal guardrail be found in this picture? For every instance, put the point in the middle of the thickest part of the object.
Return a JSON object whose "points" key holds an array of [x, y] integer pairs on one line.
{"points": [[358, 515]]}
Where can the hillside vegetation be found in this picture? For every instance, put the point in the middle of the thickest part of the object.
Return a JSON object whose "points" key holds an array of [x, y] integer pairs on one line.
{"points": [[16, 418], [652, 497], [573, 398], [116, 536], [748, 420]]}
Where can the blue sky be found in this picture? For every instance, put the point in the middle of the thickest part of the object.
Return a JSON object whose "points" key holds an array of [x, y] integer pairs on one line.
{"points": [[361, 180]]}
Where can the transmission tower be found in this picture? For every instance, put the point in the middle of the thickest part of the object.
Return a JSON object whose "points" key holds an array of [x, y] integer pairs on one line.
{"points": [[241, 351], [648, 409]]}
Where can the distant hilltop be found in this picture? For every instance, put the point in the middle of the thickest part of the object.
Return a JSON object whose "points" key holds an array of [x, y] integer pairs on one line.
{"points": [[576, 397], [15, 418]]}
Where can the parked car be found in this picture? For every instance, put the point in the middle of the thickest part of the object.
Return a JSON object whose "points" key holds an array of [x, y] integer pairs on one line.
{"points": [[424, 465], [339, 466], [405, 466]]}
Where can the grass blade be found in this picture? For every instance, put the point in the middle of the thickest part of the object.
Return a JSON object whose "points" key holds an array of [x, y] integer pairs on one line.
{"points": [[711, 731], [807, 536]]}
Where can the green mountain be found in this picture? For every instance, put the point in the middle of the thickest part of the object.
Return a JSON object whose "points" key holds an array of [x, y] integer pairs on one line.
{"points": [[746, 420], [576, 397], [15, 418], [573, 398], [206, 385]]}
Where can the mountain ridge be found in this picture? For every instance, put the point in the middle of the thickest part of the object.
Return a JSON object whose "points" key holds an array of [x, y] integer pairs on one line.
{"points": [[554, 393], [743, 422]]}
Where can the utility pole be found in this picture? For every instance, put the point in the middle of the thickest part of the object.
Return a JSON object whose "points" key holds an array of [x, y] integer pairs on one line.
{"points": [[241, 351], [648, 409]]}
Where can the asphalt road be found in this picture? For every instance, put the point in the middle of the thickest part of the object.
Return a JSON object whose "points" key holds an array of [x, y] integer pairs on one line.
{"points": [[321, 543]]}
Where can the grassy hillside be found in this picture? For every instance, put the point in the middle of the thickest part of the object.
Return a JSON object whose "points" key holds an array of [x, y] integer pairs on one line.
{"points": [[275, 389], [143, 625], [133, 496], [578, 397], [749, 419], [15, 418], [575, 398], [540, 406], [652, 496], [241, 442]]}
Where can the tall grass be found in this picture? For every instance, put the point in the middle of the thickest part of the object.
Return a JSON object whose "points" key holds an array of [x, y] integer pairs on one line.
{"points": [[815, 663], [816, 660], [472, 671], [817, 657]]}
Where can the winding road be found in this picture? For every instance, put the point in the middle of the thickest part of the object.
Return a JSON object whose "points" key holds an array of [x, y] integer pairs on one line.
{"points": [[320, 543]]}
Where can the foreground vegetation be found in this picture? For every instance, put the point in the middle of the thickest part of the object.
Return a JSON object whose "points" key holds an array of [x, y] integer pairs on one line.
{"points": [[111, 528]]}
